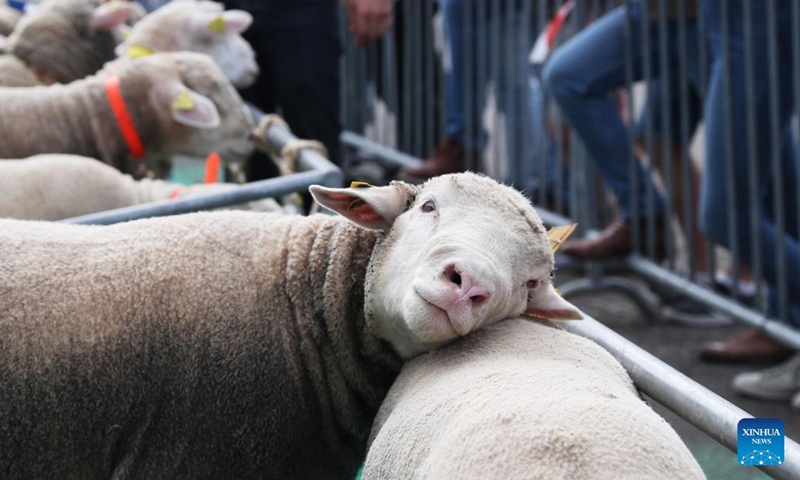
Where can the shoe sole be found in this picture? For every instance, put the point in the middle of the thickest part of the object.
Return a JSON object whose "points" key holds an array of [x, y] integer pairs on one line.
{"points": [[690, 320]]}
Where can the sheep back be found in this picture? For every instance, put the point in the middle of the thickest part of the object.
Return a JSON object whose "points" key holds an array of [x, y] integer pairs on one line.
{"points": [[203, 346], [521, 400], [14, 73]]}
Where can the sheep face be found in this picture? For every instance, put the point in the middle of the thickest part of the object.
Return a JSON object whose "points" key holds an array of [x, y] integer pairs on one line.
{"points": [[198, 109], [198, 26], [459, 253]]}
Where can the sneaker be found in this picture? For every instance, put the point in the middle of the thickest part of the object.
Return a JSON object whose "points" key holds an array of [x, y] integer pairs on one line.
{"points": [[685, 311], [779, 383], [724, 284], [795, 401]]}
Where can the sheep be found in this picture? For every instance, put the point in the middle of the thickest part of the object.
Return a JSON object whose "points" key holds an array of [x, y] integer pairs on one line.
{"points": [[522, 400], [55, 187], [9, 16], [62, 41], [248, 345], [178, 103], [199, 26]]}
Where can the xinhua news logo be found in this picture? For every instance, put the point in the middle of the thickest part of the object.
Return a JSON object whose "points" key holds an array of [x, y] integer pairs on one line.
{"points": [[760, 441]]}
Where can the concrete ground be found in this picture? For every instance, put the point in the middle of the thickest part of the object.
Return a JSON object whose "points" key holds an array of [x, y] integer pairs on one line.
{"points": [[680, 347]]}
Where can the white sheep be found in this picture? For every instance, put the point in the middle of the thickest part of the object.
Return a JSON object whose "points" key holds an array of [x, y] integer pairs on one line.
{"points": [[9, 16], [246, 345], [177, 102], [198, 26], [522, 400], [62, 41], [55, 187]]}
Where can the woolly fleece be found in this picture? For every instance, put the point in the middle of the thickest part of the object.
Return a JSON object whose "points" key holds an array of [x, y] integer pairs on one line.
{"points": [[55, 187], [522, 400], [202, 346]]}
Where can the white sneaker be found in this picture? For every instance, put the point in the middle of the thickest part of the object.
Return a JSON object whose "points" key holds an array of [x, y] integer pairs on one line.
{"points": [[777, 383], [795, 402]]}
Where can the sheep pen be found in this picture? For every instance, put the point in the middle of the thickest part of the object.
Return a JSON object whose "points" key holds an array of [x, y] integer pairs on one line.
{"points": [[246, 345]]}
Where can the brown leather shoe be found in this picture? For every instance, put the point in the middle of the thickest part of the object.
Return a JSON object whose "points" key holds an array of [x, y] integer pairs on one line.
{"points": [[449, 157], [616, 240], [748, 346]]}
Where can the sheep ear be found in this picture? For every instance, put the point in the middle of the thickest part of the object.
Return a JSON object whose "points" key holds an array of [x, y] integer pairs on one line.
{"points": [[109, 15], [375, 208], [545, 303], [188, 107], [237, 21]]}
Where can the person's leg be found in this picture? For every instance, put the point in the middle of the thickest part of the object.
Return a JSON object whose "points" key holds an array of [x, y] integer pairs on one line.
{"points": [[715, 212], [579, 76], [304, 44], [455, 153]]}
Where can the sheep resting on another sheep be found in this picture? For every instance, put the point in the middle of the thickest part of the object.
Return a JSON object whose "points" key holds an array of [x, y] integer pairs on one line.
{"points": [[522, 400], [179, 103], [246, 345], [55, 187]]}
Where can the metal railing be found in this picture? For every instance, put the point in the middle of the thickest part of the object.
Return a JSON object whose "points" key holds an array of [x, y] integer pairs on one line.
{"points": [[674, 75]]}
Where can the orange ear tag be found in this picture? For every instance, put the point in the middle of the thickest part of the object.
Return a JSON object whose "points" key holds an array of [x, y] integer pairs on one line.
{"points": [[559, 235], [218, 25], [183, 101]]}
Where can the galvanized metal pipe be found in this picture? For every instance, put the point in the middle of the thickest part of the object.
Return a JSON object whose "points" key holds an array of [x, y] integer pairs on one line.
{"points": [[696, 404], [654, 273], [381, 152]]}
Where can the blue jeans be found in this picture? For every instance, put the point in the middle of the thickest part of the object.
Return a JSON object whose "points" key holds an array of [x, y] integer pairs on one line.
{"points": [[580, 75], [715, 212], [528, 105]]}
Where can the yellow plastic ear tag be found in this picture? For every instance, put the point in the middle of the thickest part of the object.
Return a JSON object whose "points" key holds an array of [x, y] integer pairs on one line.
{"points": [[138, 51], [361, 185], [183, 101], [113, 6], [218, 25], [559, 235]]}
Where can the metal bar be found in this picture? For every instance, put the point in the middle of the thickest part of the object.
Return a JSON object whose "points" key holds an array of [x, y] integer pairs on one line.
{"points": [[699, 406], [752, 155], [416, 74], [730, 178], [469, 87], [685, 138], [632, 160], [381, 152], [777, 131], [666, 122], [510, 107], [430, 112], [647, 69], [777, 330], [404, 120]]}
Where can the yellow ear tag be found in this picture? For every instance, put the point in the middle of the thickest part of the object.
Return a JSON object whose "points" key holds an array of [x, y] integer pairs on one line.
{"points": [[559, 235], [138, 51], [361, 185], [183, 102], [113, 6], [218, 25]]}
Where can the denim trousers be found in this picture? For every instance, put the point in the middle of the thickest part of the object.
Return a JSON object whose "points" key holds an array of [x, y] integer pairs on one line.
{"points": [[520, 99], [727, 140], [581, 74]]}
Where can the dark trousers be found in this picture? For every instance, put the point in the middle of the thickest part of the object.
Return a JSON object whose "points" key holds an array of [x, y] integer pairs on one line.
{"points": [[297, 47]]}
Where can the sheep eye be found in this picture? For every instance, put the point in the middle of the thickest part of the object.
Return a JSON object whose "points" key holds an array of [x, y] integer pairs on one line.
{"points": [[531, 284], [428, 207]]}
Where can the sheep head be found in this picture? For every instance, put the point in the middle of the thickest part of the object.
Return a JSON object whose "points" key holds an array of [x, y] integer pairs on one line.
{"points": [[198, 26], [458, 253]]}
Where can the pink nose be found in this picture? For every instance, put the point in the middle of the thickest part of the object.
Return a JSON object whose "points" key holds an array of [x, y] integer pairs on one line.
{"points": [[466, 288]]}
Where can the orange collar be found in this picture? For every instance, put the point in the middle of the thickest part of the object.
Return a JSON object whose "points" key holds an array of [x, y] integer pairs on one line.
{"points": [[124, 121]]}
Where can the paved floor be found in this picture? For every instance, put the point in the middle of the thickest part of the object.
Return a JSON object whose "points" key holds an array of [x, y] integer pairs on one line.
{"points": [[680, 347]]}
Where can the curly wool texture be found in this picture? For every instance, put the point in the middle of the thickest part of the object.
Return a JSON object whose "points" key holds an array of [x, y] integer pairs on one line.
{"points": [[56, 41], [522, 400], [202, 346], [55, 187], [77, 118], [14, 73]]}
